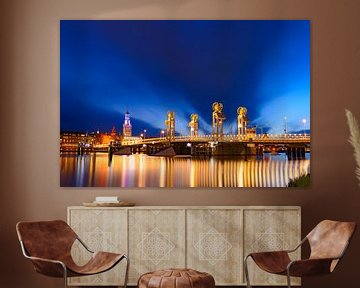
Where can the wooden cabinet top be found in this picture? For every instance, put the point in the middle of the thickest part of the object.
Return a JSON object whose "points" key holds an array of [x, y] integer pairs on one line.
{"points": [[194, 207]]}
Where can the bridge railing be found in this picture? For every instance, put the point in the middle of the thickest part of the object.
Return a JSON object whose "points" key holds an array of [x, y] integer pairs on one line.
{"points": [[260, 138]]}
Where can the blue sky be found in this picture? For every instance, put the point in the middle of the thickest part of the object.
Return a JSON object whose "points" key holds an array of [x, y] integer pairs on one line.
{"points": [[151, 67]]}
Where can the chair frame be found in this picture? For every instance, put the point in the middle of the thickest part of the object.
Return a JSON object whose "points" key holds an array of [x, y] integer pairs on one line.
{"points": [[26, 255], [246, 270]]}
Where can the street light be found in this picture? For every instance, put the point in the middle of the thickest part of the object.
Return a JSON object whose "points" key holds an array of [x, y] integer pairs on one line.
{"points": [[285, 128], [162, 133], [304, 123], [145, 133]]}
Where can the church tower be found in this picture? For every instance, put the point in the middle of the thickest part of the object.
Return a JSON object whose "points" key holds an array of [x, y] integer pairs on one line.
{"points": [[127, 131]]}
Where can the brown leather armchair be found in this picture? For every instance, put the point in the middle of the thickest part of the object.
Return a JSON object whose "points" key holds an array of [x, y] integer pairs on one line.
{"points": [[328, 242], [48, 245]]}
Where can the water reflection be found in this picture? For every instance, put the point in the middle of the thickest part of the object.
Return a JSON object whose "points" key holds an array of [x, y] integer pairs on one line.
{"points": [[140, 170]]}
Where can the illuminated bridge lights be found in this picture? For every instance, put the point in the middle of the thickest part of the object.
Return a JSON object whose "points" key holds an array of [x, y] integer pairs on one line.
{"points": [[270, 138]]}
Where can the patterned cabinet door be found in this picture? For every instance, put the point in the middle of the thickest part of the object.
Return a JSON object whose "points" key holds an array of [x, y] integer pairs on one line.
{"points": [[214, 244], [101, 230], [156, 240], [270, 230]]}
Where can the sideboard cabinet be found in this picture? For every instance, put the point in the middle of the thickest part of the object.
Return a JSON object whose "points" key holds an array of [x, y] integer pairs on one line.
{"points": [[211, 239]]}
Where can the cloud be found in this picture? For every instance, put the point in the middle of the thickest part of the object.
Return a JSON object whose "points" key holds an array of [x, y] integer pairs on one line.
{"points": [[294, 106]]}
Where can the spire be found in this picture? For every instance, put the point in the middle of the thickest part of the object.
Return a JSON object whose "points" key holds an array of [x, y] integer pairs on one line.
{"points": [[127, 129]]}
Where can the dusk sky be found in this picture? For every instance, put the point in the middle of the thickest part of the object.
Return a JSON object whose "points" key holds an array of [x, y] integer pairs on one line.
{"points": [[151, 67]]}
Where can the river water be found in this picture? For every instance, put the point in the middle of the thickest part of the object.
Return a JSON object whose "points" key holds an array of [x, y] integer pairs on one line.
{"points": [[140, 170]]}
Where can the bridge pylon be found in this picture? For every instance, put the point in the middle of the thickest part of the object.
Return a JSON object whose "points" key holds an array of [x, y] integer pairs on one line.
{"points": [[242, 122], [170, 125], [194, 125], [218, 119]]}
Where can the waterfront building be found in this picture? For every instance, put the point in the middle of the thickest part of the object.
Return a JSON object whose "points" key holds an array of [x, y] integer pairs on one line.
{"points": [[75, 138]]}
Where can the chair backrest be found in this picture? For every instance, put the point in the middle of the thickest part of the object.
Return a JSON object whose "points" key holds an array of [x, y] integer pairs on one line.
{"points": [[329, 239], [46, 239]]}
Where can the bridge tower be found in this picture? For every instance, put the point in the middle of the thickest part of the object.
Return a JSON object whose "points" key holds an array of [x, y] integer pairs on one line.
{"points": [[218, 119], [127, 129], [242, 122], [170, 125], [194, 125]]}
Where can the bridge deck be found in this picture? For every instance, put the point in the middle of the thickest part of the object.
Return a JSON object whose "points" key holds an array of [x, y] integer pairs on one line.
{"points": [[288, 139]]}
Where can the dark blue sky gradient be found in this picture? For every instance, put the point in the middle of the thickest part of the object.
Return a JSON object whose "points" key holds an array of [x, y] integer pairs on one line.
{"points": [[150, 67]]}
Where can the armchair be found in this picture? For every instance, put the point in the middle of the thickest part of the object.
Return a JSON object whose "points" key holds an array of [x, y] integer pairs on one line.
{"points": [[48, 245], [328, 242]]}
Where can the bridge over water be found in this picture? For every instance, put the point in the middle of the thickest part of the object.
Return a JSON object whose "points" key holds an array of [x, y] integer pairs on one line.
{"points": [[245, 142], [295, 145], [259, 139], [207, 145]]}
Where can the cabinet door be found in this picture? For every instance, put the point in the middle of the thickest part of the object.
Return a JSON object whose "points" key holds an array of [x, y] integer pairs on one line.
{"points": [[101, 230], [214, 244], [156, 240], [270, 230]]}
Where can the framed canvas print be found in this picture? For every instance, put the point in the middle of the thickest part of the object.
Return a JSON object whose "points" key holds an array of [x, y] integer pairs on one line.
{"points": [[184, 103]]}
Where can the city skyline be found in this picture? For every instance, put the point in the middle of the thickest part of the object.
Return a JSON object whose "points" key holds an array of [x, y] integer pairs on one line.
{"points": [[151, 67]]}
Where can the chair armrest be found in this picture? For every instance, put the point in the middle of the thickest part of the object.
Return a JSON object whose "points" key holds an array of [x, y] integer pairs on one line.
{"points": [[280, 251], [268, 253], [48, 267], [46, 260], [309, 267]]}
